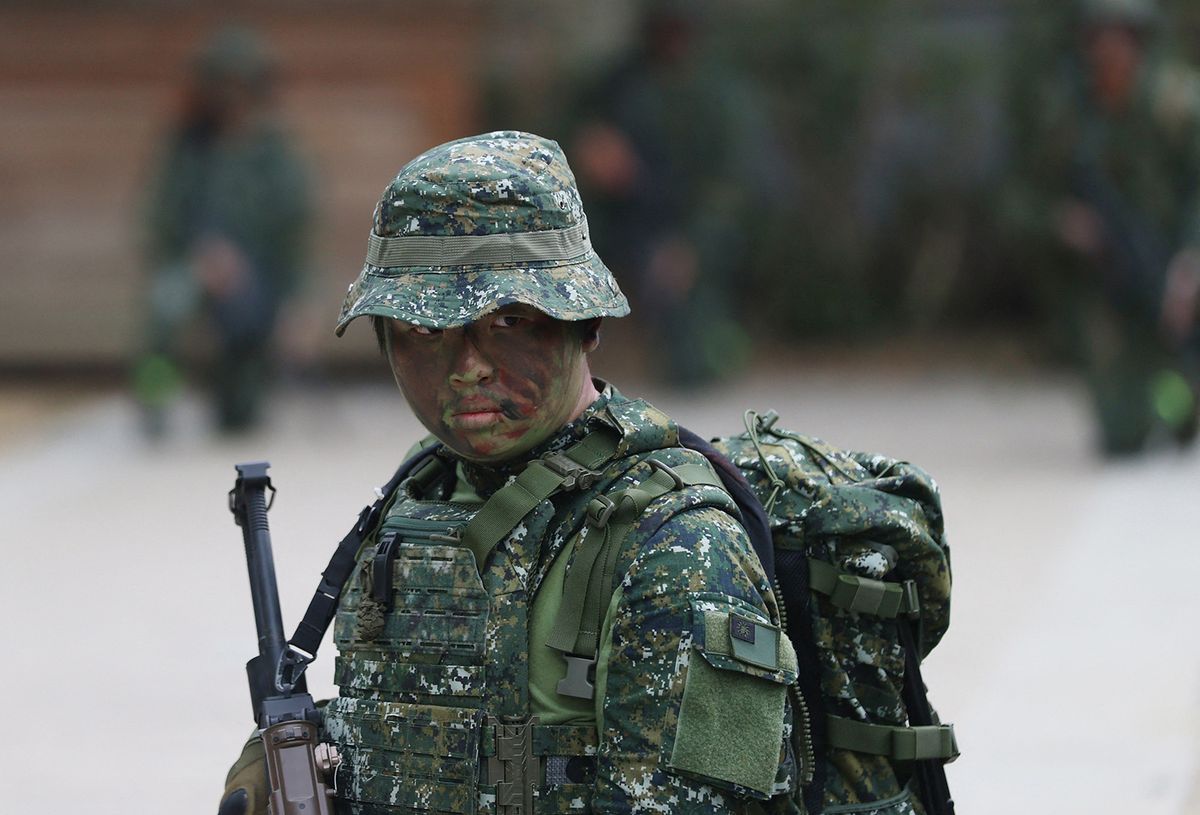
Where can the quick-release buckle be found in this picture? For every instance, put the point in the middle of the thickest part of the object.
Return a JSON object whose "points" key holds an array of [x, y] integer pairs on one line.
{"points": [[574, 475], [578, 681], [514, 769]]}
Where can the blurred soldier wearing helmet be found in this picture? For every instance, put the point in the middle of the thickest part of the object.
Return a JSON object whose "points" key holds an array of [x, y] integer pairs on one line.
{"points": [[471, 679], [226, 221], [1131, 217]]}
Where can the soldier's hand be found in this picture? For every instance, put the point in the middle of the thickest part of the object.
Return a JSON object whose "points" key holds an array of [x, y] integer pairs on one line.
{"points": [[246, 790], [221, 267], [1181, 297], [1079, 227]]}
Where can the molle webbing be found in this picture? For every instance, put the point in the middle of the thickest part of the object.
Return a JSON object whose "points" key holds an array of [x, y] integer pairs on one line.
{"points": [[927, 742], [538, 481], [864, 595], [323, 606], [556, 761]]}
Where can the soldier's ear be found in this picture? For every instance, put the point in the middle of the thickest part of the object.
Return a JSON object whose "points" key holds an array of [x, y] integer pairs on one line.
{"points": [[589, 334]]}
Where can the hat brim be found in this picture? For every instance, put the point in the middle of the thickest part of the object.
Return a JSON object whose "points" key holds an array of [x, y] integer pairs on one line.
{"points": [[449, 297]]}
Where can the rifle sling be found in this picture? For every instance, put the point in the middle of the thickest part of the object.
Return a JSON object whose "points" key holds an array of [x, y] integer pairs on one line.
{"points": [[323, 606]]}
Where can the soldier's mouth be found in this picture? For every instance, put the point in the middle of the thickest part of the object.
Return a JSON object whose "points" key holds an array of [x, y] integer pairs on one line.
{"points": [[470, 420]]}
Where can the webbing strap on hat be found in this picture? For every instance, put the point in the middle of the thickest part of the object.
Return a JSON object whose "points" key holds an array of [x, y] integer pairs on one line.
{"points": [[471, 250], [863, 594], [540, 479], [588, 585], [897, 743]]}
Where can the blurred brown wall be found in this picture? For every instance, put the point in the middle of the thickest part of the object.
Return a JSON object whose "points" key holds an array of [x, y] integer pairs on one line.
{"points": [[87, 95]]}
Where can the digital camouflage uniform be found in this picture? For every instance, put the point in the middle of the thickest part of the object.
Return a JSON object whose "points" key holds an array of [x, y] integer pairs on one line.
{"points": [[437, 691]]}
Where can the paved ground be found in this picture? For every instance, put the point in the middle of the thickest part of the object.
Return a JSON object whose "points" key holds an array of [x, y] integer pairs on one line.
{"points": [[1069, 670]]}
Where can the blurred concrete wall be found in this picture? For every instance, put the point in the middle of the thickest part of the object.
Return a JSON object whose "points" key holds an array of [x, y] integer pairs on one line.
{"points": [[87, 93]]}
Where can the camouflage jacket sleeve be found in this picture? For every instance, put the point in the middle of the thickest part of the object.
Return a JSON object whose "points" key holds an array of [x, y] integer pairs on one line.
{"points": [[684, 727]]}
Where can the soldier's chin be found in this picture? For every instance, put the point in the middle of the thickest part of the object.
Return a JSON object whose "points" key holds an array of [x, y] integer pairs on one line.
{"points": [[489, 445]]}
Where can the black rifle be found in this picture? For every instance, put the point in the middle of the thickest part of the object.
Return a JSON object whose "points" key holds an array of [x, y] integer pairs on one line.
{"points": [[298, 765]]}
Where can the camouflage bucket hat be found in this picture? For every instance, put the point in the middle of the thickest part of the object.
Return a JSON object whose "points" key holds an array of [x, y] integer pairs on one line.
{"points": [[480, 223]]}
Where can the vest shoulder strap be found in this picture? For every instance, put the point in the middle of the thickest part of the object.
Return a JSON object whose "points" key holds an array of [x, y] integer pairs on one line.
{"points": [[591, 576], [570, 469]]}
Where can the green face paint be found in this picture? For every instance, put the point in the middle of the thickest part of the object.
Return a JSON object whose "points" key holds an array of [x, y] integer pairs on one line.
{"points": [[496, 387]]}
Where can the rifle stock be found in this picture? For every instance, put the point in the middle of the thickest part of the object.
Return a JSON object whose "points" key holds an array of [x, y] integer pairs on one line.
{"points": [[298, 765]]}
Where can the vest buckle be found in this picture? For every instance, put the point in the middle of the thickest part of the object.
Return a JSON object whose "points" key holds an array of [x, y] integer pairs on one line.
{"points": [[514, 769], [573, 474], [578, 681]]}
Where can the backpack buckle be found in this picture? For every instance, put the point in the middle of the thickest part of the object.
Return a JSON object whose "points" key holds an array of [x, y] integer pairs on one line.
{"points": [[599, 510], [573, 474]]}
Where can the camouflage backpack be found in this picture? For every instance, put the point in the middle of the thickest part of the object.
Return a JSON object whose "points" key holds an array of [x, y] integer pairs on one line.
{"points": [[861, 564]]}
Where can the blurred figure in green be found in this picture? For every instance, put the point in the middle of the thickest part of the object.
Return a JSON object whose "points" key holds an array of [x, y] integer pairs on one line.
{"points": [[227, 220], [670, 148], [1130, 214]]}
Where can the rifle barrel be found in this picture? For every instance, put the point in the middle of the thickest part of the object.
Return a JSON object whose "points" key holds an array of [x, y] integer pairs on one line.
{"points": [[250, 510]]}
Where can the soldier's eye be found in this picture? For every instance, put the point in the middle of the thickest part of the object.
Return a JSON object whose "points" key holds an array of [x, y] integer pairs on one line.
{"points": [[508, 321], [424, 331]]}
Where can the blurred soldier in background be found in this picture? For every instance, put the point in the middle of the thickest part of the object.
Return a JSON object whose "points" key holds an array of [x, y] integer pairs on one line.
{"points": [[671, 150], [1128, 135], [227, 218]]}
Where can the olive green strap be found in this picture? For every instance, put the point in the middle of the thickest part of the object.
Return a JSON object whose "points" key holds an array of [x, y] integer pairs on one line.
{"points": [[588, 585], [540, 479], [862, 594], [608, 521], [560, 245], [897, 743]]}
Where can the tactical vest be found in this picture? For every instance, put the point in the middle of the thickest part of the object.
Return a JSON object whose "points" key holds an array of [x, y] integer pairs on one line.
{"points": [[434, 709]]}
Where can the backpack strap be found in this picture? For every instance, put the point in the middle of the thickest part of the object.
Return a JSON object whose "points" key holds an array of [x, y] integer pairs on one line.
{"points": [[930, 774], [918, 743], [590, 578], [574, 468], [864, 595]]}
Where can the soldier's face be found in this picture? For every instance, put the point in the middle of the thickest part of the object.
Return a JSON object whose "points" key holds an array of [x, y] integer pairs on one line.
{"points": [[1114, 55], [494, 388]]}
